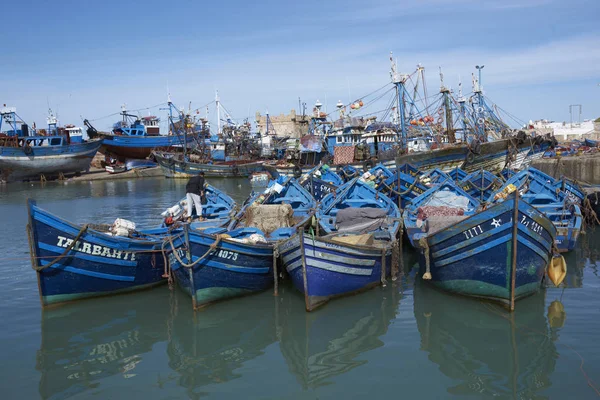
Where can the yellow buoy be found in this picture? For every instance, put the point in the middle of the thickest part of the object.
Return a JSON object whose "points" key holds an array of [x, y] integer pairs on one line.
{"points": [[557, 270], [556, 314]]}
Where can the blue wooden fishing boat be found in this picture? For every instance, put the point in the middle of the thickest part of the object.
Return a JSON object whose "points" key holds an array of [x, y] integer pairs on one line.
{"points": [[404, 183], [320, 181], [545, 193], [506, 173], [216, 263], [591, 143], [480, 184], [26, 155], [76, 262], [499, 254], [438, 206], [354, 254], [216, 213], [136, 137], [457, 174]]}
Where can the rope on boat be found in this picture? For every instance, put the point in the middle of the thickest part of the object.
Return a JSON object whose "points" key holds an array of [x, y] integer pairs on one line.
{"points": [[212, 247], [423, 243], [410, 188], [64, 254], [483, 189]]}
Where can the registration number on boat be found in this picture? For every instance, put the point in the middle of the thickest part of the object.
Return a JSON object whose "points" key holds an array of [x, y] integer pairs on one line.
{"points": [[227, 255]]}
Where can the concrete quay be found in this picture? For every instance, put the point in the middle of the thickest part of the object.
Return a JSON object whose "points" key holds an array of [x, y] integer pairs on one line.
{"points": [[583, 168]]}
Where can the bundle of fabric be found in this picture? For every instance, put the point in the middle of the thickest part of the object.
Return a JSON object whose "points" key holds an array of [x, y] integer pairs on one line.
{"points": [[269, 217], [426, 212], [360, 220]]}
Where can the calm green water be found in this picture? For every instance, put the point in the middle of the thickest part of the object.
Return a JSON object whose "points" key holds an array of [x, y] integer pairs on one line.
{"points": [[405, 340]]}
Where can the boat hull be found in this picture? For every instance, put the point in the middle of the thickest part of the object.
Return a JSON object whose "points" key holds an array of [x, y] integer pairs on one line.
{"points": [[474, 256], [492, 157], [98, 265], [139, 147], [322, 269], [231, 269], [49, 161], [183, 169]]}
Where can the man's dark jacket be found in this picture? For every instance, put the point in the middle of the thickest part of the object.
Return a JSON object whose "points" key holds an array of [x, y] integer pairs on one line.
{"points": [[195, 185]]}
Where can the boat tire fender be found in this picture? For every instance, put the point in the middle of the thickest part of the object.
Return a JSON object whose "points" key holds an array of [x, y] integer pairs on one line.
{"points": [[297, 171], [235, 170], [367, 165], [27, 150]]}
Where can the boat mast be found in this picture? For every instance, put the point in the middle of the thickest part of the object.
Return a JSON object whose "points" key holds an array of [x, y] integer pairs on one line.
{"points": [[218, 112], [398, 80], [462, 111], [478, 90], [448, 109]]}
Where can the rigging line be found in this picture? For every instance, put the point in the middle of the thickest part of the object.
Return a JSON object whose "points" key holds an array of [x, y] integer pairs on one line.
{"points": [[106, 116], [204, 106], [362, 97], [515, 118], [147, 108]]}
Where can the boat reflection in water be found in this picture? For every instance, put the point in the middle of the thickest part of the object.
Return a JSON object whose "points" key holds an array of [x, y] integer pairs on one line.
{"points": [[321, 345], [85, 343], [492, 352], [208, 346]]}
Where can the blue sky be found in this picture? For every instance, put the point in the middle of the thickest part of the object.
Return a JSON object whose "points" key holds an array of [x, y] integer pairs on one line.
{"points": [[88, 58]]}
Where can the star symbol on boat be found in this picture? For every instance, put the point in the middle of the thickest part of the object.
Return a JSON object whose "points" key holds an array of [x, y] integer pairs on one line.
{"points": [[496, 222]]}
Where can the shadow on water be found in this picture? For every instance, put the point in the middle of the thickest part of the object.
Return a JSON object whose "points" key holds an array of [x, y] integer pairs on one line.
{"points": [[85, 342], [320, 345], [207, 347], [488, 351]]}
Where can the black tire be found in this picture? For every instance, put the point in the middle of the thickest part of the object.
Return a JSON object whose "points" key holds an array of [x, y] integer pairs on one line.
{"points": [[297, 171], [368, 165], [27, 150], [470, 157], [235, 171], [476, 147]]}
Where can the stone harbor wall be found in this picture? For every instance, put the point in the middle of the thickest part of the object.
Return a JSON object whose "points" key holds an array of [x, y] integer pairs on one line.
{"points": [[585, 168]]}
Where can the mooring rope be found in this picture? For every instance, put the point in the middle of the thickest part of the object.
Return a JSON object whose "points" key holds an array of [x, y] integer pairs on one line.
{"points": [[64, 254]]}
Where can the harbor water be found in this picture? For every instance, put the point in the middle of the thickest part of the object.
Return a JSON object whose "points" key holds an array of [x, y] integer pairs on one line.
{"points": [[405, 339]]}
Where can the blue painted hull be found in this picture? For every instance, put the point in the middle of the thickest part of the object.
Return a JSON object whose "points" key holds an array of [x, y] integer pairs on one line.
{"points": [[140, 146], [332, 269], [47, 160], [474, 257], [98, 265], [232, 269]]}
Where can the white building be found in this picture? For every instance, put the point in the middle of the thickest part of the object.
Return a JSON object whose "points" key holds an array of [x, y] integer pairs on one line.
{"points": [[565, 131]]}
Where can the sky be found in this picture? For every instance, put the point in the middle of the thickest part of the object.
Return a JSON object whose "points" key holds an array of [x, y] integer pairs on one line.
{"points": [[86, 59]]}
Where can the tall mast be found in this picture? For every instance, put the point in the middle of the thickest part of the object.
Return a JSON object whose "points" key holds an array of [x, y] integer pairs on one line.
{"points": [[448, 109], [218, 112], [462, 111], [478, 90], [398, 80]]}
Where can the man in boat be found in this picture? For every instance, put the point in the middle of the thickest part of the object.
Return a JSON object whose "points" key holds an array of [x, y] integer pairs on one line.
{"points": [[194, 192]]}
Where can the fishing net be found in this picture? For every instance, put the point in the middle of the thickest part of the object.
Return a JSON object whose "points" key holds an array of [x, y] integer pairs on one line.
{"points": [[269, 217]]}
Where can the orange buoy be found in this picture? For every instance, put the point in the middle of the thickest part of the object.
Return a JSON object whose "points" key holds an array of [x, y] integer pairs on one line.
{"points": [[557, 270]]}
